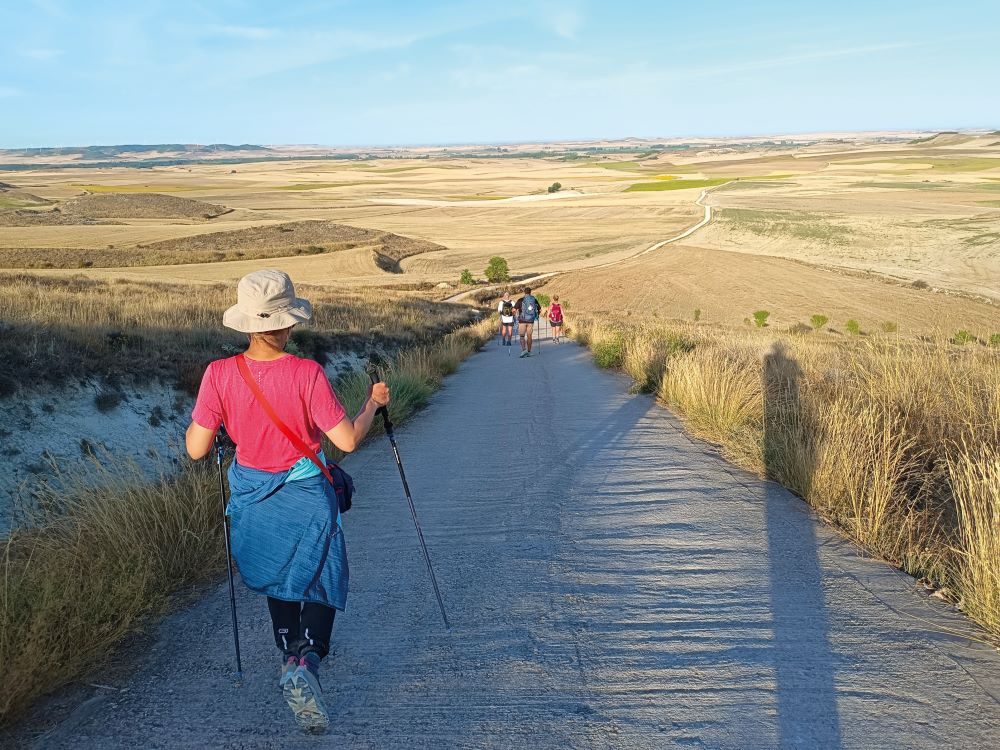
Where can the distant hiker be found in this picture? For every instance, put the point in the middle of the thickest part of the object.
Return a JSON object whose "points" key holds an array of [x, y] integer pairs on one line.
{"points": [[527, 313], [556, 318], [286, 530], [506, 310]]}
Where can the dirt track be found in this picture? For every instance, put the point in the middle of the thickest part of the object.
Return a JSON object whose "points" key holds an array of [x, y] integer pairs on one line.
{"points": [[612, 584]]}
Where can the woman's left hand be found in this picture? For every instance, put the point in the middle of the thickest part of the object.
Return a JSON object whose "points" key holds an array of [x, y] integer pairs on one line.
{"points": [[379, 393]]}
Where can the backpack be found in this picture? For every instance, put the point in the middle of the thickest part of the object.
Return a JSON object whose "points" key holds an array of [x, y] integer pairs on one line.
{"points": [[507, 309], [555, 312], [529, 307]]}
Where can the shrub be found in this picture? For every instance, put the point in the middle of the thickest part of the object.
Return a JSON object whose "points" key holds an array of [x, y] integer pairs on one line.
{"points": [[800, 328], [920, 284], [963, 337], [760, 318], [609, 350], [818, 321], [107, 399], [497, 270], [697, 314], [995, 340], [889, 327], [555, 187], [543, 299], [466, 277], [853, 327]]}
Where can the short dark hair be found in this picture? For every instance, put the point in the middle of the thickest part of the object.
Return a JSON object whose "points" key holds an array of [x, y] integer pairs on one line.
{"points": [[527, 290]]}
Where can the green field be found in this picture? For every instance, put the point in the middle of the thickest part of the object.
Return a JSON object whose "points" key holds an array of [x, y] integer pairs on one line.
{"points": [[643, 187]]}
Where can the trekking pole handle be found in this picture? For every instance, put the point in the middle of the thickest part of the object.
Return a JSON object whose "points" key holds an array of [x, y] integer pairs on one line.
{"points": [[386, 422]]}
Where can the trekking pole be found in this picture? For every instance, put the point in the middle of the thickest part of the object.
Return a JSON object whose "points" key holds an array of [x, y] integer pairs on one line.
{"points": [[220, 447], [387, 423]]}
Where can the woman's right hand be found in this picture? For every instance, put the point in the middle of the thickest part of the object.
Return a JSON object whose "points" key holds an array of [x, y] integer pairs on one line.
{"points": [[379, 393]]}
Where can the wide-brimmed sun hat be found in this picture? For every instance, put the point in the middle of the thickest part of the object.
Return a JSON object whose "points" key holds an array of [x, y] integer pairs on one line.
{"points": [[266, 301]]}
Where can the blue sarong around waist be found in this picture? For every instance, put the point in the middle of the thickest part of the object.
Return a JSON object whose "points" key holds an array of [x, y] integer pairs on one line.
{"points": [[286, 538]]}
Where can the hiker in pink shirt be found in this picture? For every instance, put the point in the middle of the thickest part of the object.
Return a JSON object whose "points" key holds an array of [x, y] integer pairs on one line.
{"points": [[284, 512], [555, 316]]}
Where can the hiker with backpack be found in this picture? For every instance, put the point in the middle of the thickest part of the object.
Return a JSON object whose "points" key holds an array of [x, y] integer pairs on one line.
{"points": [[506, 310], [284, 511], [527, 313], [555, 316]]}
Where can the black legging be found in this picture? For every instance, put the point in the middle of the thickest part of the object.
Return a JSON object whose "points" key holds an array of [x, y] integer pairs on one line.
{"points": [[300, 627]]}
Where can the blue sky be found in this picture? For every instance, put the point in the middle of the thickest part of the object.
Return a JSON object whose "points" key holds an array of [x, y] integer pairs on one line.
{"points": [[372, 73]]}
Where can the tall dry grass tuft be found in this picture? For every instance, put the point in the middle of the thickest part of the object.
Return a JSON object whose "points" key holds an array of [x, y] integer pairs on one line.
{"points": [[871, 432], [102, 557], [975, 478]]}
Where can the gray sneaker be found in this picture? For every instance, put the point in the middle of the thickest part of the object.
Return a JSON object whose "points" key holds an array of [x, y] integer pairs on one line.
{"points": [[304, 695]]}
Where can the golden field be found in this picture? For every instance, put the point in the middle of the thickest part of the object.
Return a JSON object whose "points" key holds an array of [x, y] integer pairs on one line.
{"points": [[834, 226]]}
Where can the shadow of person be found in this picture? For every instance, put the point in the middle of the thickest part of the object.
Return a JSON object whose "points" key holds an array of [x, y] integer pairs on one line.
{"points": [[804, 664]]}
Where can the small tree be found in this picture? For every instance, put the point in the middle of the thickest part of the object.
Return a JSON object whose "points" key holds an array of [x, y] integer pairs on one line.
{"points": [[818, 321], [466, 277], [853, 327], [555, 187], [760, 318], [697, 314], [497, 270]]}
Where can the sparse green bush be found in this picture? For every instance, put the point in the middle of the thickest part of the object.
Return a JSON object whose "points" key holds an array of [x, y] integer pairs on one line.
{"points": [[466, 277], [697, 314], [497, 270], [889, 327], [963, 337], [995, 340], [609, 351], [555, 187], [818, 321], [760, 318], [543, 299], [853, 327]]}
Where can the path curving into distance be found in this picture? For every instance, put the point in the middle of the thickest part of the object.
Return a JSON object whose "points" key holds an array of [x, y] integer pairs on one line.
{"points": [[611, 583], [656, 246]]}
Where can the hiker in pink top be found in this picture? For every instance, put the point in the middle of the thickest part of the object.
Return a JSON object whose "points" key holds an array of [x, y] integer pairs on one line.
{"points": [[284, 514], [555, 315]]}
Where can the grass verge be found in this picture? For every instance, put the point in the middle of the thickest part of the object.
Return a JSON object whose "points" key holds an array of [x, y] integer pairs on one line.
{"points": [[60, 330], [896, 443], [98, 561]]}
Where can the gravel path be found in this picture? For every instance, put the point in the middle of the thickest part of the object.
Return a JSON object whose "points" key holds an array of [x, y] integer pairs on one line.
{"points": [[612, 584]]}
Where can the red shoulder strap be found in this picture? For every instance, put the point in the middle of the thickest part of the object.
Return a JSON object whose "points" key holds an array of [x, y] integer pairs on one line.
{"points": [[272, 414]]}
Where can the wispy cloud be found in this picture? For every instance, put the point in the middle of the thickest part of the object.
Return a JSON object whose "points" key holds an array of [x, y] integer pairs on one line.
{"points": [[251, 33], [41, 53], [565, 22]]}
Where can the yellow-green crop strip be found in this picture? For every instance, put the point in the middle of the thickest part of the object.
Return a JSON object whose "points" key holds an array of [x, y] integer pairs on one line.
{"points": [[643, 187]]}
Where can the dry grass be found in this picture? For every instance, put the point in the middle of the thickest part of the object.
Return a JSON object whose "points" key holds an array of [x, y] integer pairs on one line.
{"points": [[256, 242], [895, 442], [60, 329], [92, 566]]}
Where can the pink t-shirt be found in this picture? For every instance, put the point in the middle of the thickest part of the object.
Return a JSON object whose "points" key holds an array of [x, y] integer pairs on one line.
{"points": [[296, 388]]}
